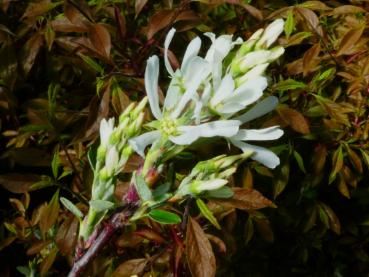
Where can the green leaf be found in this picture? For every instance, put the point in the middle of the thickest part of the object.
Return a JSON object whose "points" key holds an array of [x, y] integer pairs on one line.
{"points": [[207, 213], [94, 65], [101, 205], [55, 163], [299, 160], [289, 26], [71, 207], [289, 84], [223, 192], [161, 190], [164, 217], [142, 188]]}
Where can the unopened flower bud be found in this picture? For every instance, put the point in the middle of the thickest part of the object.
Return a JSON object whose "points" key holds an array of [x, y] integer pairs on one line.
{"points": [[197, 187], [140, 107], [252, 74], [271, 34], [101, 152]]}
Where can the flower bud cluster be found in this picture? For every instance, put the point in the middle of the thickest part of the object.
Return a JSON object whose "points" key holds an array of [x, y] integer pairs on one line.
{"points": [[254, 55], [210, 175]]}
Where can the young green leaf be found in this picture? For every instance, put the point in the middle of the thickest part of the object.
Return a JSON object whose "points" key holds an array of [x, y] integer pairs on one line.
{"points": [[101, 205], [289, 26], [207, 213], [71, 207], [55, 163], [299, 160], [142, 188], [164, 217]]}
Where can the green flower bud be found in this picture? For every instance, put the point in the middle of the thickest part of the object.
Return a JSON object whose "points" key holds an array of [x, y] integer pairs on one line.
{"points": [[103, 174], [101, 152], [140, 107]]}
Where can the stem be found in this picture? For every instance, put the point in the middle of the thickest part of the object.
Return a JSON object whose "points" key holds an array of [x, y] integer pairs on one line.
{"points": [[116, 222]]}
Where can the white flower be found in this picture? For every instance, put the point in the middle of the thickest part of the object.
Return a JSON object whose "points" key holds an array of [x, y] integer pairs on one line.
{"points": [[271, 33], [259, 57], [106, 129]]}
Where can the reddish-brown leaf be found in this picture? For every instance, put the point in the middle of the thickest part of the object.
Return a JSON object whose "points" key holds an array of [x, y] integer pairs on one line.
{"points": [[159, 21], [130, 268], [218, 242], [18, 183], [29, 52], [50, 214], [37, 246], [200, 256], [349, 40], [246, 199], [100, 39], [345, 9], [150, 235], [295, 119], [36, 9], [139, 4], [264, 229], [66, 237], [64, 25], [311, 59], [311, 19]]}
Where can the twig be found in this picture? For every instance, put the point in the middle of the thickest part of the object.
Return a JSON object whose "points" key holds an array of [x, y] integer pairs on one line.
{"points": [[185, 215], [117, 221]]}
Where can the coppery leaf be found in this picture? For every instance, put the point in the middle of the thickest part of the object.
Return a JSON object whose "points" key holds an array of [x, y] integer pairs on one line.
{"points": [[246, 199], [100, 39], [18, 183], [139, 4], [295, 119], [37, 246], [312, 20], [50, 214], [345, 9], [130, 267], [159, 21], [48, 261], [311, 59], [200, 256], [349, 40], [66, 237], [218, 242], [64, 25], [29, 52]]}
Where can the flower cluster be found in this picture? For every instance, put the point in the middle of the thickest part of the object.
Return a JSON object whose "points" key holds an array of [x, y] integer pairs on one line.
{"points": [[205, 98]]}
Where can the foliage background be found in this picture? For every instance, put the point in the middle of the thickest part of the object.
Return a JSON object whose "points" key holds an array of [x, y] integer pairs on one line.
{"points": [[65, 65]]}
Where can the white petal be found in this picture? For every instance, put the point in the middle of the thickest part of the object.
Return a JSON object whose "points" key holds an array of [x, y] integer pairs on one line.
{"points": [[261, 154], [198, 73], [225, 90], [263, 107], [173, 95], [253, 73], [151, 85], [254, 58], [167, 42], [271, 33], [229, 108], [222, 128], [249, 92], [141, 142], [270, 133], [192, 50], [200, 103]]}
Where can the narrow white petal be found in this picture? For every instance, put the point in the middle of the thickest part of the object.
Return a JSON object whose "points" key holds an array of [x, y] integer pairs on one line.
{"points": [[225, 90], [221, 128], [270, 133], [230, 108], [253, 73], [200, 70], [173, 95], [200, 103], [263, 107], [261, 154], [141, 142], [106, 128], [167, 42], [192, 50], [254, 58], [151, 85]]}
